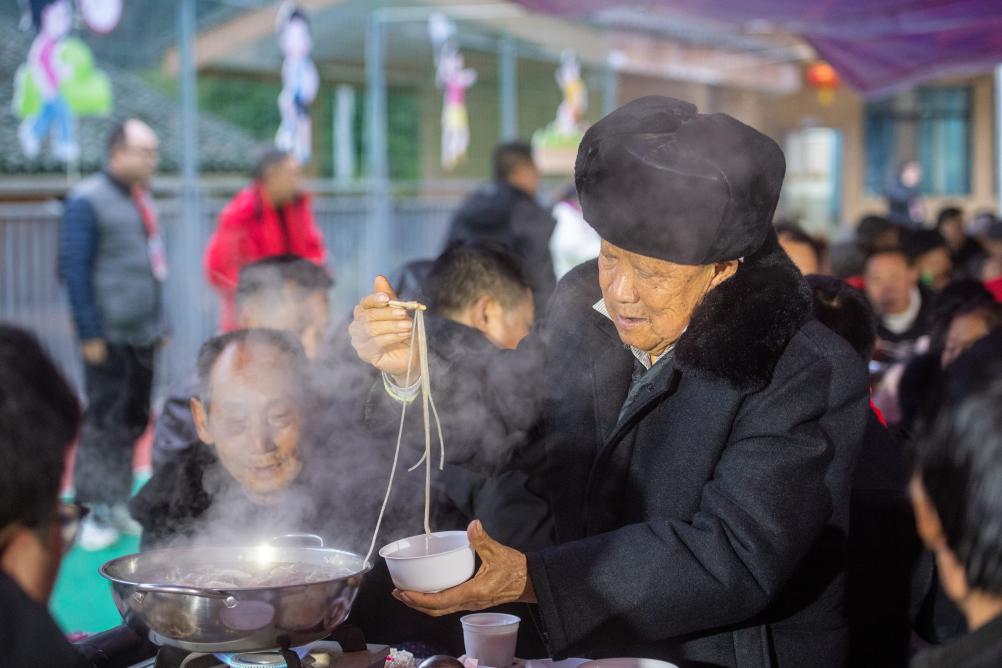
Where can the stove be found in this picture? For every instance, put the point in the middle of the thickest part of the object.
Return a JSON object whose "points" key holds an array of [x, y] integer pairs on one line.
{"points": [[322, 654]]}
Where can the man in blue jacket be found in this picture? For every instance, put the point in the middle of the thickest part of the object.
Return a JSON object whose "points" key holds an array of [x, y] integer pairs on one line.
{"points": [[112, 261]]}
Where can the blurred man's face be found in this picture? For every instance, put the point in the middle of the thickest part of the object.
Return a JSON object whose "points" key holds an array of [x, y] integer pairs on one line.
{"points": [[288, 310], [965, 330], [525, 177], [254, 420], [31, 557], [651, 301], [889, 281], [911, 175], [952, 230], [282, 181], [136, 160], [994, 248], [506, 327], [802, 254], [934, 268]]}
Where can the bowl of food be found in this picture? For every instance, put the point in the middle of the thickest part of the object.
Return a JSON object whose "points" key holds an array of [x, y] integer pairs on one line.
{"points": [[430, 562], [627, 663]]}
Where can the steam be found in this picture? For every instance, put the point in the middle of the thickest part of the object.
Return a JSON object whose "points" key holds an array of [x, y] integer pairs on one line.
{"points": [[347, 451]]}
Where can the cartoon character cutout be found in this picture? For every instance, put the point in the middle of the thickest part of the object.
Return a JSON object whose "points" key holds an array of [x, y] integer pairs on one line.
{"points": [[454, 78], [575, 102], [57, 84], [300, 82], [52, 21]]}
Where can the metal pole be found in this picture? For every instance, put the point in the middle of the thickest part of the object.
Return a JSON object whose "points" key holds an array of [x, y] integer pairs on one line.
{"points": [[379, 204], [189, 289], [998, 135], [508, 74], [610, 88]]}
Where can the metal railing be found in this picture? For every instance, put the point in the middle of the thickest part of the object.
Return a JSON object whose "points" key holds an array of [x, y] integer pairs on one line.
{"points": [[32, 296]]}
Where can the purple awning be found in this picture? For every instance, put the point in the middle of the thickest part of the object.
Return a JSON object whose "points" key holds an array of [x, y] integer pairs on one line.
{"points": [[875, 45]]}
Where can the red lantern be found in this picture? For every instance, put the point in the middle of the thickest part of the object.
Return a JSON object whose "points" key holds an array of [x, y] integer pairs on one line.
{"points": [[824, 78]]}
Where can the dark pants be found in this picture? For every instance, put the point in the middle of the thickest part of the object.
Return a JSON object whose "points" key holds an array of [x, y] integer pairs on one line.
{"points": [[118, 410]]}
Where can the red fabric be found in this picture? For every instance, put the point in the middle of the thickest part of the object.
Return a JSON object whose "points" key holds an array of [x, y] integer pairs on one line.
{"points": [[146, 211], [855, 281], [879, 413], [995, 287], [250, 229]]}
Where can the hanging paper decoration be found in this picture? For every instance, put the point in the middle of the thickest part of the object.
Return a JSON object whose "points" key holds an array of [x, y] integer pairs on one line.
{"points": [[824, 79], [300, 82], [575, 102], [453, 77], [555, 146], [57, 83], [101, 16]]}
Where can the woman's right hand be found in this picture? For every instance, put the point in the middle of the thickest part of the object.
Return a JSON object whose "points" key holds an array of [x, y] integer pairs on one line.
{"points": [[381, 334]]}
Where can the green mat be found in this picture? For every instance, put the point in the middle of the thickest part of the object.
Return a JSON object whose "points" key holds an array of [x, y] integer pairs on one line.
{"points": [[82, 598]]}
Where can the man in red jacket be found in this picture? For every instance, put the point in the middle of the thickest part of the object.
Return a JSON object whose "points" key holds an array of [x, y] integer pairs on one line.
{"points": [[270, 217]]}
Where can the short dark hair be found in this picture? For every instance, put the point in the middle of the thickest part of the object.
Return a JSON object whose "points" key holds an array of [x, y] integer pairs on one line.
{"points": [[271, 274], [896, 250], [847, 258], [468, 270], [510, 155], [952, 298], [39, 419], [797, 235], [989, 309], [871, 228], [948, 213], [959, 461], [211, 350], [844, 310], [917, 243], [267, 160], [118, 137]]}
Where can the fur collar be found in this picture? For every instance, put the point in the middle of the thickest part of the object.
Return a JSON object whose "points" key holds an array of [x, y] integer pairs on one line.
{"points": [[741, 328]]}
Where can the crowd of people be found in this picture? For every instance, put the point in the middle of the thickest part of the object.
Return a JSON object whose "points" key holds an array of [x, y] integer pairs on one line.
{"points": [[717, 440]]}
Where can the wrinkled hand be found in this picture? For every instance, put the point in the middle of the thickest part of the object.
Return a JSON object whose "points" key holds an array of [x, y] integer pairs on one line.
{"points": [[503, 578], [95, 351], [381, 334]]}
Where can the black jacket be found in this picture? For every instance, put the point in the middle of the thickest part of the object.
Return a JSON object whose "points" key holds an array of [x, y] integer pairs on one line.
{"points": [[979, 649], [29, 635], [708, 527], [501, 212]]}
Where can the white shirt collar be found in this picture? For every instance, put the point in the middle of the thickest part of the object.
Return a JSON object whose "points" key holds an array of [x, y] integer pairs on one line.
{"points": [[642, 356], [901, 322]]}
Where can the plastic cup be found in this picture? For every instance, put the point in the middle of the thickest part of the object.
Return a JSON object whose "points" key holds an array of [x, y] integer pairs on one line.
{"points": [[490, 638]]}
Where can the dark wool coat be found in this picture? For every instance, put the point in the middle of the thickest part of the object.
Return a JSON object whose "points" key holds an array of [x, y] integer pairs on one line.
{"points": [[708, 527]]}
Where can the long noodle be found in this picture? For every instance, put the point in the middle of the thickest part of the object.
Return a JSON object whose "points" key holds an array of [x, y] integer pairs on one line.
{"points": [[428, 409]]}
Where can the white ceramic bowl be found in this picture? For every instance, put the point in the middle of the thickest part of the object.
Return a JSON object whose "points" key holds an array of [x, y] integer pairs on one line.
{"points": [[627, 663], [430, 563]]}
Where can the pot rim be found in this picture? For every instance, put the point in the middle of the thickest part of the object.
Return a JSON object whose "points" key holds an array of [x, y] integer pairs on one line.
{"points": [[106, 566]]}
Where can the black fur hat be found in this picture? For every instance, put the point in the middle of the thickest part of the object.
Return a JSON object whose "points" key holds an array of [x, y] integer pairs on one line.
{"points": [[658, 178]]}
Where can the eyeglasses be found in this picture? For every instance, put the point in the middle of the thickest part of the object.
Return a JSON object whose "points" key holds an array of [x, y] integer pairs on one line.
{"points": [[70, 515]]}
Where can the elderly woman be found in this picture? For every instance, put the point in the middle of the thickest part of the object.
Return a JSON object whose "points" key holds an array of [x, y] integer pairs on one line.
{"points": [[700, 426]]}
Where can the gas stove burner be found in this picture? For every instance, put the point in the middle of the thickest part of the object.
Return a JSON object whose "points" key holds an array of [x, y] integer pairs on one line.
{"points": [[285, 658]]}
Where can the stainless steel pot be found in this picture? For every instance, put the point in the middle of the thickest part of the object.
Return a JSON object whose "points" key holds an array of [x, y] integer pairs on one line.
{"points": [[239, 619]]}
